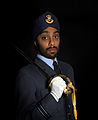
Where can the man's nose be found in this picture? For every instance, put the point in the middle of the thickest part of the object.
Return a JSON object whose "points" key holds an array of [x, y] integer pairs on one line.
{"points": [[51, 42]]}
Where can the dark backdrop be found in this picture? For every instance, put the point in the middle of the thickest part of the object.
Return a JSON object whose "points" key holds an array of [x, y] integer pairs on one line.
{"points": [[79, 24]]}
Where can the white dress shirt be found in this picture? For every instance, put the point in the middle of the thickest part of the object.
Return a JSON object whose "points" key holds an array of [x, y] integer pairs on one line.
{"points": [[47, 60]]}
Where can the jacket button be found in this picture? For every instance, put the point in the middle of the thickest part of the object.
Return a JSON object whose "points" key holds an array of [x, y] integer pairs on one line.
{"points": [[68, 106], [68, 116]]}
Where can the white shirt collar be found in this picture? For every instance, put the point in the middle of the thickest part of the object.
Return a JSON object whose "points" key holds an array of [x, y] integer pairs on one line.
{"points": [[47, 60]]}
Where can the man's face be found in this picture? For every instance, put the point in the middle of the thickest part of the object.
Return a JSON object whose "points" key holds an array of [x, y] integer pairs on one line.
{"points": [[48, 42]]}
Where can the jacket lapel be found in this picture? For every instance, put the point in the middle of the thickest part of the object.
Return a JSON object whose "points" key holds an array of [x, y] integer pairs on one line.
{"points": [[45, 68]]}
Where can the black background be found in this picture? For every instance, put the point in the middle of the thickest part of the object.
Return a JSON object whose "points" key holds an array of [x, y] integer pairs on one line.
{"points": [[79, 35]]}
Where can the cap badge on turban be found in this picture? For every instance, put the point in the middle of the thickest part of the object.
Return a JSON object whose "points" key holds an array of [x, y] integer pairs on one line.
{"points": [[49, 19]]}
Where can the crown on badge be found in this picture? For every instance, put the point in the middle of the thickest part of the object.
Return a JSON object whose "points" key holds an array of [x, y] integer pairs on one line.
{"points": [[49, 19]]}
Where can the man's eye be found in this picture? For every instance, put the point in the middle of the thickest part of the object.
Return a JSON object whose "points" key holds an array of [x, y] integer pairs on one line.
{"points": [[44, 38], [56, 37]]}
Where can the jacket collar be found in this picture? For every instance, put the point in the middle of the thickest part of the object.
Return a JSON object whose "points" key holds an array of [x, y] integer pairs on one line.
{"points": [[44, 67]]}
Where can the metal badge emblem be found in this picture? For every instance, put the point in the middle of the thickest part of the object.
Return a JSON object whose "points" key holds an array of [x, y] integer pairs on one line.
{"points": [[49, 19]]}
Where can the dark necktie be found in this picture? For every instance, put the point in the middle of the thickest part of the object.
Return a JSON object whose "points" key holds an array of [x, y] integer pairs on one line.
{"points": [[56, 67]]}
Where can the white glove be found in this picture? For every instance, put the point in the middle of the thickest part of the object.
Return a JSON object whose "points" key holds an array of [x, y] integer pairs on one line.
{"points": [[57, 87]]}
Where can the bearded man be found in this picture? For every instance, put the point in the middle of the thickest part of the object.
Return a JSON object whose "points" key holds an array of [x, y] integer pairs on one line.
{"points": [[36, 98]]}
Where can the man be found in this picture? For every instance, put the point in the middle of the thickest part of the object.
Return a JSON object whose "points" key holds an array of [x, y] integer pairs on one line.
{"points": [[40, 95]]}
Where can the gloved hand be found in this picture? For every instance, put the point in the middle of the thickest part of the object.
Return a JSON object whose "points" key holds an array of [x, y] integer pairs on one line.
{"points": [[58, 85]]}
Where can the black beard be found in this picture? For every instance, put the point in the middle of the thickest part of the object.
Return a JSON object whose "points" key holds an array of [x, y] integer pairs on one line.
{"points": [[44, 53], [49, 56]]}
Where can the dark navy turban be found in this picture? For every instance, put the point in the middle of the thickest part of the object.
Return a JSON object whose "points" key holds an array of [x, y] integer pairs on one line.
{"points": [[42, 22]]}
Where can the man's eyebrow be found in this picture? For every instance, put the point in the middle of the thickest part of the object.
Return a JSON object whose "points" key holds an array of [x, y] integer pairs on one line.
{"points": [[56, 31], [44, 32]]}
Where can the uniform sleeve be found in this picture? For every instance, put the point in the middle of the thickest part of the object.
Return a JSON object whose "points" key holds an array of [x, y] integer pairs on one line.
{"points": [[28, 106], [45, 109]]}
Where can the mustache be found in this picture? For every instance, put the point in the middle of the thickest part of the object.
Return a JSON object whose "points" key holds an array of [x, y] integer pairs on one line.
{"points": [[52, 47]]}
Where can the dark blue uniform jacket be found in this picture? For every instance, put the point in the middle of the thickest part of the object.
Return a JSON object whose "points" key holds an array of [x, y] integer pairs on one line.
{"points": [[33, 98]]}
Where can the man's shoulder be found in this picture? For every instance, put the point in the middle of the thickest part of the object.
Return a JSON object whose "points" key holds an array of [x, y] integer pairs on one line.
{"points": [[65, 65], [27, 68]]}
